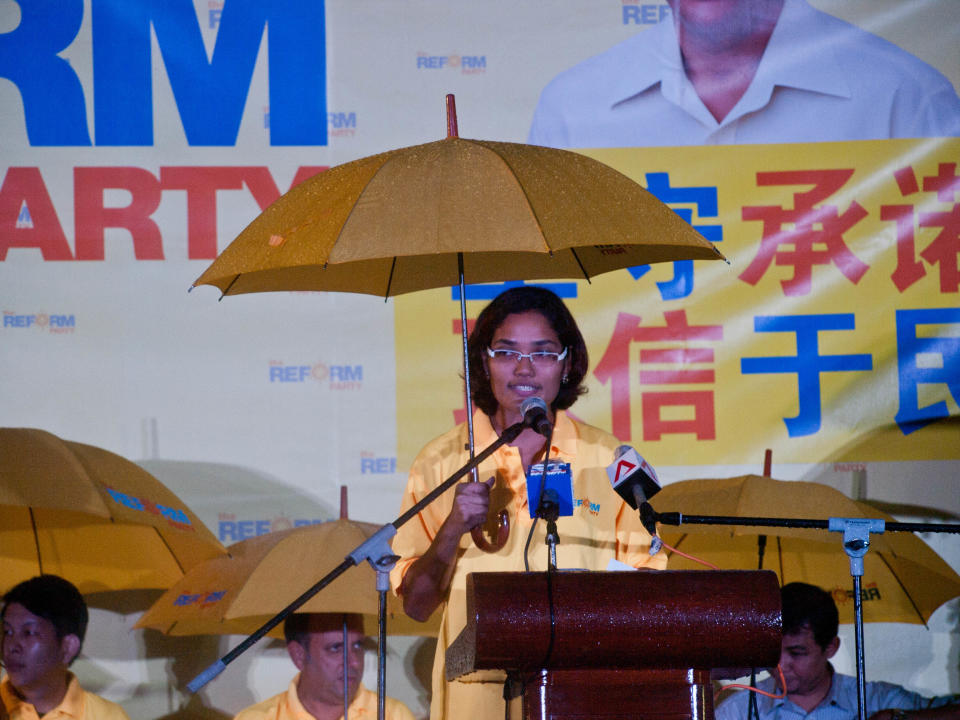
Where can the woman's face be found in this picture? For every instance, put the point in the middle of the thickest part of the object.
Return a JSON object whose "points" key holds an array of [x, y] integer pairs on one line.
{"points": [[512, 382]]}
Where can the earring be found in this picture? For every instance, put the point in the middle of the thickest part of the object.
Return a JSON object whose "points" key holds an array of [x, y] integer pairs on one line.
{"points": [[563, 380]]}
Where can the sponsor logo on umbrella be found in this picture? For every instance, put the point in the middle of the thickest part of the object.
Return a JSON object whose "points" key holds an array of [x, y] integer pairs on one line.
{"points": [[175, 516]]}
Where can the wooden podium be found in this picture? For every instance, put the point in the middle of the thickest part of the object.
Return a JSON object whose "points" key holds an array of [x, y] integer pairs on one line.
{"points": [[611, 645]]}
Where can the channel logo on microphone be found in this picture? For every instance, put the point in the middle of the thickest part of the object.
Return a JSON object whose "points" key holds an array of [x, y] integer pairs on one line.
{"points": [[629, 474]]}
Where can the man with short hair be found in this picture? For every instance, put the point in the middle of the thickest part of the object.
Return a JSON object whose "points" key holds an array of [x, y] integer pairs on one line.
{"points": [[315, 644], [44, 623], [814, 690]]}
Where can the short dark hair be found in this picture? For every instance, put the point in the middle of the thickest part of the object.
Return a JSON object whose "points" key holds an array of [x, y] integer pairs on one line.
{"points": [[52, 598], [526, 298], [298, 626], [807, 607]]}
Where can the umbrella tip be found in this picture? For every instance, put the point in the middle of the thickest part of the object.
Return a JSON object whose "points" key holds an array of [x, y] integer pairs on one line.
{"points": [[343, 503], [451, 116]]}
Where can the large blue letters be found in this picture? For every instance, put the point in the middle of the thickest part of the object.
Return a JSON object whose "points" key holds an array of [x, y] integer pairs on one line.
{"points": [[210, 94], [53, 105]]}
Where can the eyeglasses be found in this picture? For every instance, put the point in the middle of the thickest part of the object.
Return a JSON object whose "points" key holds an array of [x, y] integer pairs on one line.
{"points": [[540, 359]]}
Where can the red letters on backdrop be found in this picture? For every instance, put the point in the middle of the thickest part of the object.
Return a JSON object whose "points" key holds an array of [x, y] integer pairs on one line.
{"points": [[28, 218]]}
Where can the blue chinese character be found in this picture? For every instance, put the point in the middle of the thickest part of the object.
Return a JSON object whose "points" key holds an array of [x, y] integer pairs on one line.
{"points": [[808, 362], [705, 198], [941, 361]]}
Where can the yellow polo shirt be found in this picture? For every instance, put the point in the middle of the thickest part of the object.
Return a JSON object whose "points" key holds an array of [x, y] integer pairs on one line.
{"points": [[77, 704], [603, 527], [287, 706]]}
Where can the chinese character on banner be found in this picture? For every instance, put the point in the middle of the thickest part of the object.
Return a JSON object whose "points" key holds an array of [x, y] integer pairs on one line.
{"points": [[668, 363], [808, 234], [944, 248], [926, 360], [705, 201], [808, 363]]}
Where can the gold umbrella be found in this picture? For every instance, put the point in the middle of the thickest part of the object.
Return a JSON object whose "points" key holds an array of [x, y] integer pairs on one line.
{"points": [[91, 516], [904, 580], [264, 574], [453, 211]]}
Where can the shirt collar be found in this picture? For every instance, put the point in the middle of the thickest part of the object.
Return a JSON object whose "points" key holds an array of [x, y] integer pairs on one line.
{"points": [[799, 54], [564, 440], [71, 705], [297, 710], [836, 695]]}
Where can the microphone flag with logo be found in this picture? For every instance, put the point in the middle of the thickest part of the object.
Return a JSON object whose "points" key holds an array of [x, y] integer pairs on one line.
{"points": [[559, 486]]}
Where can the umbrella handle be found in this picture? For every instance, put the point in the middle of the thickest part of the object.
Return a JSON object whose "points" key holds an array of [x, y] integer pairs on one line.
{"points": [[503, 532]]}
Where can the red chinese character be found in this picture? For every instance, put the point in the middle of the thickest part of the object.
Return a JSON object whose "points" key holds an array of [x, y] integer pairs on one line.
{"points": [[807, 235], [614, 368], [944, 249]]}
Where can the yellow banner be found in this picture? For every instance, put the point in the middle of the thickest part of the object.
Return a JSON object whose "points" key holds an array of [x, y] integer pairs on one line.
{"points": [[833, 334]]}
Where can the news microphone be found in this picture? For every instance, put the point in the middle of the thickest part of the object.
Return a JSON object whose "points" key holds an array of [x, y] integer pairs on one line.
{"points": [[632, 477], [636, 482], [535, 415]]}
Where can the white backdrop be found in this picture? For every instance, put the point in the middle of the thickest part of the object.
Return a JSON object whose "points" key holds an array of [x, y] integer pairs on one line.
{"points": [[114, 352]]}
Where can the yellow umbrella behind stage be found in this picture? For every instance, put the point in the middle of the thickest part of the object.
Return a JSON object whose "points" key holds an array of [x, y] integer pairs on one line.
{"points": [[904, 580], [264, 574], [755, 496], [91, 516]]}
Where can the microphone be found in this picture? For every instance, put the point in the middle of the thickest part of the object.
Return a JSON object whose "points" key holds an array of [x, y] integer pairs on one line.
{"points": [[636, 482], [534, 411]]}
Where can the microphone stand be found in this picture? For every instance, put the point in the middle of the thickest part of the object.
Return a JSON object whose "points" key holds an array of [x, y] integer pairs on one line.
{"points": [[549, 510], [856, 543], [375, 550], [548, 507]]}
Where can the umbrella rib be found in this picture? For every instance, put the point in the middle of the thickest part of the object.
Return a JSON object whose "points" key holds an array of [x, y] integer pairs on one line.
{"points": [[580, 264], [170, 550], [902, 587], [232, 282], [36, 540], [393, 265]]}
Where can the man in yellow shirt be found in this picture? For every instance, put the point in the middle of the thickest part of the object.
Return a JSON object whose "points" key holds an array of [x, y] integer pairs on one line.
{"points": [[44, 623], [315, 644]]}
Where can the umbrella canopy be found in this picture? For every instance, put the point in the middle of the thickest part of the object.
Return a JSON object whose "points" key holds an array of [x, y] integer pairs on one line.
{"points": [[401, 221], [264, 574], [91, 516], [454, 212], [904, 580]]}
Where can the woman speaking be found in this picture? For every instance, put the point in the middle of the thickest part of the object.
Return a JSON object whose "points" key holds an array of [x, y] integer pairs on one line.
{"points": [[525, 344]]}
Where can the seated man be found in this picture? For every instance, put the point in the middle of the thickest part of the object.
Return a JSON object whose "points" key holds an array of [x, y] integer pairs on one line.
{"points": [[315, 644], [44, 622], [814, 690]]}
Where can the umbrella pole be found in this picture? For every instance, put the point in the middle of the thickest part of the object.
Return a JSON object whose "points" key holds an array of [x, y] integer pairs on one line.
{"points": [[503, 521], [466, 362]]}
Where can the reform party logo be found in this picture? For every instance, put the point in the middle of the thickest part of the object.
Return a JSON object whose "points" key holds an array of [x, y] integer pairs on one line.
{"points": [[56, 323], [333, 377], [465, 64]]}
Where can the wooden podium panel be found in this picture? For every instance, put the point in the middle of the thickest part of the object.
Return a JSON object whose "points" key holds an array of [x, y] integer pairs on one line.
{"points": [[618, 694], [610, 645]]}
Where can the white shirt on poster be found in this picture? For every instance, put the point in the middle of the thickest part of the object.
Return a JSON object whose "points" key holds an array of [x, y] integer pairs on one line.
{"points": [[820, 79]]}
